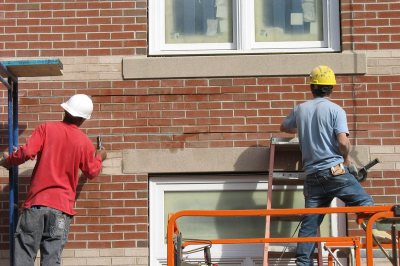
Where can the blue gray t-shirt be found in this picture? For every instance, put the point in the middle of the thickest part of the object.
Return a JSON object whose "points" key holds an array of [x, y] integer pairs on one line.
{"points": [[318, 121]]}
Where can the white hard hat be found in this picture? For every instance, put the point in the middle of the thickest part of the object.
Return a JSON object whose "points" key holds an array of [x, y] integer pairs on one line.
{"points": [[79, 105]]}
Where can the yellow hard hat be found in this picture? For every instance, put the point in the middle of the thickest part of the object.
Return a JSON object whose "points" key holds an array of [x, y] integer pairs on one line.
{"points": [[322, 75]]}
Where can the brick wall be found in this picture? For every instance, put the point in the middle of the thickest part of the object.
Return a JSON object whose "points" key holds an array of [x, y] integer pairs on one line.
{"points": [[65, 28], [370, 25], [92, 37]]}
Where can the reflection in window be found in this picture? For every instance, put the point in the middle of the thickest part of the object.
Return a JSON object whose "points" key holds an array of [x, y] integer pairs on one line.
{"points": [[288, 20], [198, 21]]}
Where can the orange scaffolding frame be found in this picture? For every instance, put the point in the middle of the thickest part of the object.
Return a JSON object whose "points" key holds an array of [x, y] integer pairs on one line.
{"points": [[366, 214]]}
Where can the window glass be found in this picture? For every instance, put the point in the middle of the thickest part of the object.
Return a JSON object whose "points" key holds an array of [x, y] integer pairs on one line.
{"points": [[235, 227], [198, 21], [243, 26], [288, 20], [169, 194]]}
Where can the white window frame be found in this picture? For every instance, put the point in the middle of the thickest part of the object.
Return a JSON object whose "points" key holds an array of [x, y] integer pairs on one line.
{"points": [[243, 34], [241, 254]]}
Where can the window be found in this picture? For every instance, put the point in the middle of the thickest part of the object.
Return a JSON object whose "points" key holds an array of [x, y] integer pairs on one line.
{"points": [[243, 26], [169, 194]]}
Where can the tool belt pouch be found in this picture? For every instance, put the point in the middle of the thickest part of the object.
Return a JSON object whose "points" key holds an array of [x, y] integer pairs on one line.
{"points": [[338, 170]]}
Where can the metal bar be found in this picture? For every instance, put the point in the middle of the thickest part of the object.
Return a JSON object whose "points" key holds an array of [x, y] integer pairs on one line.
{"points": [[332, 255], [15, 171], [369, 236], [5, 83], [330, 260], [358, 253], [319, 248], [329, 245], [11, 173], [394, 247], [330, 239], [276, 212], [353, 245], [377, 212], [398, 244], [382, 248], [4, 71], [15, 144], [269, 199]]}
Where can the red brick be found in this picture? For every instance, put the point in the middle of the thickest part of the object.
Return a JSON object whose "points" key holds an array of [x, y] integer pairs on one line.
{"points": [[99, 244], [124, 244]]}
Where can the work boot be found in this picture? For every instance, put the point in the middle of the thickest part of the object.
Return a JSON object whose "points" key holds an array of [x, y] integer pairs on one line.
{"points": [[382, 236]]}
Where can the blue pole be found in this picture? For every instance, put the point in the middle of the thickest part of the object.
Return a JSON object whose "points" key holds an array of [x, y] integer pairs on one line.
{"points": [[15, 168], [11, 171], [15, 143]]}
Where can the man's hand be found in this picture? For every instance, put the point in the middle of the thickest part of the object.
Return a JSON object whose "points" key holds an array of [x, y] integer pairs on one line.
{"points": [[4, 161], [353, 170], [102, 153], [288, 130], [348, 161]]}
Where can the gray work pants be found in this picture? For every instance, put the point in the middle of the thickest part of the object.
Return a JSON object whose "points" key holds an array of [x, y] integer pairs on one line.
{"points": [[44, 228]]}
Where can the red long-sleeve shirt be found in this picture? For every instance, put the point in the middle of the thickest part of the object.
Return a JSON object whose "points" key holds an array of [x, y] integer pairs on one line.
{"points": [[61, 150]]}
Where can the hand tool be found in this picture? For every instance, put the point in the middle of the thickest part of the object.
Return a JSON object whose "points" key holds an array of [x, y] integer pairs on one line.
{"points": [[361, 174], [99, 145]]}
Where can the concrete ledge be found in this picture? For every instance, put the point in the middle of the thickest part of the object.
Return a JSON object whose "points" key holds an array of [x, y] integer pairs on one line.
{"points": [[252, 159], [240, 65], [195, 160]]}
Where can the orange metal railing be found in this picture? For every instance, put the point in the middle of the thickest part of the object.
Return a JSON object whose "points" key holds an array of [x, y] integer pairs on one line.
{"points": [[340, 245], [366, 214]]}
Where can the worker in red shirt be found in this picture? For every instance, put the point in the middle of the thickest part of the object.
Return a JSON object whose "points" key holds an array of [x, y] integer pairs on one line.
{"points": [[61, 149]]}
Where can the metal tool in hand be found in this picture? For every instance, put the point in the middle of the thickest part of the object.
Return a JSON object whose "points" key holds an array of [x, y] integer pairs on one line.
{"points": [[99, 145], [362, 173]]}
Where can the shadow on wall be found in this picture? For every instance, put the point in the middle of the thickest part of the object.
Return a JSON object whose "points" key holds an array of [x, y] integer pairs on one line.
{"points": [[82, 181], [23, 183], [355, 156], [248, 196], [232, 198], [4, 134]]}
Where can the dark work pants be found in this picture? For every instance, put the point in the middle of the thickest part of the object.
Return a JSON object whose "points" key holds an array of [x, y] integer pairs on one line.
{"points": [[44, 228]]}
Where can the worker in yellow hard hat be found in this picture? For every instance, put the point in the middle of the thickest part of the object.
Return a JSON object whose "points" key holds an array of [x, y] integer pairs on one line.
{"points": [[323, 133]]}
